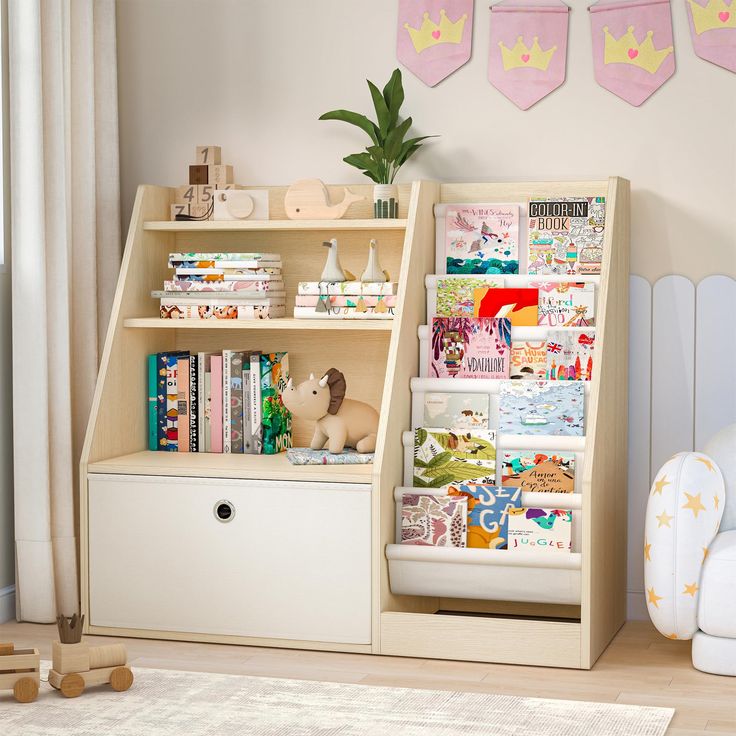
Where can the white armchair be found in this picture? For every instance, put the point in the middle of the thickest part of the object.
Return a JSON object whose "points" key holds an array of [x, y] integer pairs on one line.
{"points": [[690, 552]]}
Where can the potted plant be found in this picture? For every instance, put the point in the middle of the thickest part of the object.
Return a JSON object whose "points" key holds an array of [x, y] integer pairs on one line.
{"points": [[389, 148]]}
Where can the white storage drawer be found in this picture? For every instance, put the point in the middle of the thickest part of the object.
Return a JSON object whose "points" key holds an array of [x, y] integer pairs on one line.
{"points": [[293, 562]]}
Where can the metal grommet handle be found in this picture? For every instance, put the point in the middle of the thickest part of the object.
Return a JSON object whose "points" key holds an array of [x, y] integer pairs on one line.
{"points": [[224, 511]]}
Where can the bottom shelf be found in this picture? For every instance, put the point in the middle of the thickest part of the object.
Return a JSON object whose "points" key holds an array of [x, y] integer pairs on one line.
{"points": [[484, 574]]}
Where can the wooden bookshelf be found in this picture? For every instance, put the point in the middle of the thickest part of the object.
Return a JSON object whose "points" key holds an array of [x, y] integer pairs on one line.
{"points": [[285, 323], [218, 226]]}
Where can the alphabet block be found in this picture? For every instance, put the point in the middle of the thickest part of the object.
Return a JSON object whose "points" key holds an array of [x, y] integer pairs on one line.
{"points": [[199, 174], [220, 174], [208, 154]]}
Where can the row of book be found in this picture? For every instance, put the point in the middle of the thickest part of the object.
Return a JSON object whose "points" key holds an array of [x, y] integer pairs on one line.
{"points": [[565, 236], [228, 402], [345, 300], [223, 286], [545, 303]]}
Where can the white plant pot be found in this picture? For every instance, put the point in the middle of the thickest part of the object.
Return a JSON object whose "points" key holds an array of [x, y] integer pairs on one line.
{"points": [[385, 201]]}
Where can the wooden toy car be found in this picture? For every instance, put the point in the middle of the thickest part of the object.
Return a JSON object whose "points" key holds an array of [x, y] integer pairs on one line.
{"points": [[76, 666], [20, 670]]}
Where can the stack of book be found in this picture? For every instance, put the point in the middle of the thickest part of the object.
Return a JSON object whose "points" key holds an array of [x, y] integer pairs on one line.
{"points": [[218, 402], [345, 300], [223, 286]]}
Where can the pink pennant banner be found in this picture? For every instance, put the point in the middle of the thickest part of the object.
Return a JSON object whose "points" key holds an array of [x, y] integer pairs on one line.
{"points": [[633, 52], [713, 30], [434, 37], [528, 49]]}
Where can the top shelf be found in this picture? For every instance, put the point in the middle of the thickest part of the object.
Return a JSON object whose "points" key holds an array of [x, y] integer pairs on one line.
{"points": [[210, 226]]}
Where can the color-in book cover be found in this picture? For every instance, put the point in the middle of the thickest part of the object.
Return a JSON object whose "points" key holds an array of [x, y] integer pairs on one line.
{"points": [[539, 472], [519, 305], [569, 355], [546, 529], [470, 347], [444, 456], [566, 235], [566, 304], [456, 410], [276, 418], [488, 513], [541, 408], [455, 294], [482, 238], [434, 521], [528, 360]]}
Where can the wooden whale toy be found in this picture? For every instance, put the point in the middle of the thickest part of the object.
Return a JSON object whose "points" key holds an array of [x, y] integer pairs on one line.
{"points": [[308, 199]]}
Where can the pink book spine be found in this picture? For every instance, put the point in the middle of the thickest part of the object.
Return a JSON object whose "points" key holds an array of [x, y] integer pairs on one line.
{"points": [[216, 405]]}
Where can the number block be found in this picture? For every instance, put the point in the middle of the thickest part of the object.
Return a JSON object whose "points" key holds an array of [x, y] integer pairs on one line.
{"points": [[199, 174], [194, 194], [209, 154], [220, 174], [179, 209]]}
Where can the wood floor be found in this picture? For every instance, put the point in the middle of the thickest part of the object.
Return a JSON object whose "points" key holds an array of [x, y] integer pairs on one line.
{"points": [[639, 667]]}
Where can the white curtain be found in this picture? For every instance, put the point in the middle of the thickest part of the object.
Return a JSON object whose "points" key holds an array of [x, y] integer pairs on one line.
{"points": [[65, 245]]}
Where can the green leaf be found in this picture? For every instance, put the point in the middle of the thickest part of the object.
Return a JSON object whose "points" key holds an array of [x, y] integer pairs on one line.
{"points": [[393, 93], [420, 437], [419, 463], [441, 480], [395, 138], [382, 112], [410, 147], [441, 459], [354, 118]]}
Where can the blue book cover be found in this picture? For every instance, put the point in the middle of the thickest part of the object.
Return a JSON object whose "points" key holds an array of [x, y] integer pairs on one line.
{"points": [[488, 513], [152, 403]]}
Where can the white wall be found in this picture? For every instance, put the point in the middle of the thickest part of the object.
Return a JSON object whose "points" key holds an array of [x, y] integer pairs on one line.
{"points": [[7, 564], [253, 76]]}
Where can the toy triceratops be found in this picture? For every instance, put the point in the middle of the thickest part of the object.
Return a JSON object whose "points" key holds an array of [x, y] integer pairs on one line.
{"points": [[340, 422]]}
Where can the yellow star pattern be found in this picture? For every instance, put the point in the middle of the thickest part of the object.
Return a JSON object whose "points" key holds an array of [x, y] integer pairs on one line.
{"points": [[647, 550], [694, 504], [705, 553], [691, 589], [716, 502], [664, 519], [653, 598], [708, 463], [672, 636], [660, 484]]}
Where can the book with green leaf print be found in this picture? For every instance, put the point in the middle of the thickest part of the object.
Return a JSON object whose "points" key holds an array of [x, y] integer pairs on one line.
{"points": [[445, 456]]}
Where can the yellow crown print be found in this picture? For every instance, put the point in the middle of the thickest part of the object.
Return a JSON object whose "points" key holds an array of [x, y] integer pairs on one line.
{"points": [[432, 34], [522, 57], [716, 14], [626, 50]]}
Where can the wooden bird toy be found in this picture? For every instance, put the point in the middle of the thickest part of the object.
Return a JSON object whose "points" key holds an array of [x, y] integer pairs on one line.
{"points": [[76, 665], [20, 672]]}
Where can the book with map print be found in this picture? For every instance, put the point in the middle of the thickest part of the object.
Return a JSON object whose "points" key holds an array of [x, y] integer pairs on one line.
{"points": [[541, 408], [456, 410]]}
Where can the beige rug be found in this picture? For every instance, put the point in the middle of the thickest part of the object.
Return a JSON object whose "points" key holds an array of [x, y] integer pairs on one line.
{"points": [[168, 703]]}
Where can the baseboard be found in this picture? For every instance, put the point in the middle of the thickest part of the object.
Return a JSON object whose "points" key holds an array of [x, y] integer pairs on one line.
{"points": [[636, 607], [7, 604]]}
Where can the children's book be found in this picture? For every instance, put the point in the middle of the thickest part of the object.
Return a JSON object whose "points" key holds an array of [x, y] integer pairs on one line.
{"points": [[470, 347], [217, 259], [226, 406], [216, 404], [444, 456], [566, 304], [456, 410], [165, 413], [236, 402], [194, 404], [434, 521], [569, 355], [203, 400], [248, 444], [541, 408], [276, 418], [152, 403], [182, 403], [488, 512], [539, 472], [482, 238], [519, 305], [528, 360], [236, 274], [255, 402], [196, 310], [455, 294], [172, 398], [306, 456], [566, 235], [540, 529], [256, 285]]}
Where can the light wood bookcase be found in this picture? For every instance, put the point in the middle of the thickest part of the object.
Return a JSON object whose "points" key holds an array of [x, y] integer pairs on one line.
{"points": [[379, 359]]}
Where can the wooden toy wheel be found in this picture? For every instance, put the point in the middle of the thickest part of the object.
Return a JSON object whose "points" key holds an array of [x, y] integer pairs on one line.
{"points": [[121, 678], [72, 685], [25, 690]]}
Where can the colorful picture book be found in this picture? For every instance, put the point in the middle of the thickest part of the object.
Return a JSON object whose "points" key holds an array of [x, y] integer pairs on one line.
{"points": [[444, 456], [569, 355], [455, 294], [345, 300], [539, 472], [434, 521], [542, 408], [519, 305], [456, 410], [470, 347], [540, 529], [488, 513], [528, 360], [566, 304], [566, 235], [482, 238], [218, 402]]}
